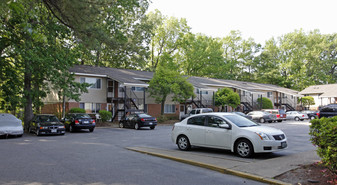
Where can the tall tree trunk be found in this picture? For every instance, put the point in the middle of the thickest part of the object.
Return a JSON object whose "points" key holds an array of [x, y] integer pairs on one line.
{"points": [[163, 105], [28, 96]]}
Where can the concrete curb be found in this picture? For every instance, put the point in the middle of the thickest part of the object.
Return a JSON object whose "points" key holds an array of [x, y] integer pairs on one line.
{"points": [[213, 167]]}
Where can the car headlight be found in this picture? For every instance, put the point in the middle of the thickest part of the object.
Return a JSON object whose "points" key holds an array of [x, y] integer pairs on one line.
{"points": [[263, 136]]}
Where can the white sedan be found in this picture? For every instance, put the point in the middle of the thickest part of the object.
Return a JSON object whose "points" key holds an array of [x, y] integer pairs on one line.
{"points": [[227, 131]]}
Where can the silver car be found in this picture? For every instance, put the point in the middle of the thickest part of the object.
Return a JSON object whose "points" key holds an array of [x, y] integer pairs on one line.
{"points": [[295, 115], [262, 116], [10, 125]]}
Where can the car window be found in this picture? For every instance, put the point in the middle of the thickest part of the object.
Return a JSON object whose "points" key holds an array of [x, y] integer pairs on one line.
{"points": [[207, 110], [47, 118], [198, 112], [240, 121], [192, 112], [214, 121], [144, 115], [282, 111], [197, 120], [83, 116], [328, 109]]}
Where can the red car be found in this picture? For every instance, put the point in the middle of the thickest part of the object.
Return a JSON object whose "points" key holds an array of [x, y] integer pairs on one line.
{"points": [[280, 114]]}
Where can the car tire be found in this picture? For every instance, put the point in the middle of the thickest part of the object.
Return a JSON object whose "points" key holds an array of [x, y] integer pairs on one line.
{"points": [[91, 129], [244, 148], [71, 129], [312, 117], [262, 120], [183, 143], [121, 125], [279, 120], [270, 121], [136, 126], [297, 118], [152, 128]]}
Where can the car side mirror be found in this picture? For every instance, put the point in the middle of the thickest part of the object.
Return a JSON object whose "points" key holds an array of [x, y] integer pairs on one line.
{"points": [[225, 126]]}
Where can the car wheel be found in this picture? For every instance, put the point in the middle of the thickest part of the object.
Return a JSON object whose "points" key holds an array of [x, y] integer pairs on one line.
{"points": [[151, 128], [37, 132], [262, 120], [121, 125], [91, 129], [312, 117], [297, 118], [71, 129], [183, 143], [302, 119], [279, 120], [244, 148], [270, 121], [136, 126]]}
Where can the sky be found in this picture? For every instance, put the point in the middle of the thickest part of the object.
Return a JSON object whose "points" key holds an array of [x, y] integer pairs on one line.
{"points": [[258, 19]]}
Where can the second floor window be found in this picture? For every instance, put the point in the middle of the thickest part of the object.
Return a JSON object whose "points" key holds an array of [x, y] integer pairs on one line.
{"points": [[96, 83]]}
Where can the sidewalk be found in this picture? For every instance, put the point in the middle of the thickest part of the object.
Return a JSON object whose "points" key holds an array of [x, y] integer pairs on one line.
{"points": [[261, 170]]}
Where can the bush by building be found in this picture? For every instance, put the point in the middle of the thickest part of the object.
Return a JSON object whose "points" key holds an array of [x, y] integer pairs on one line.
{"points": [[324, 135]]}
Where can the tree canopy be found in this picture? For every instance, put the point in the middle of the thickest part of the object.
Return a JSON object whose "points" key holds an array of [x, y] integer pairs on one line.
{"points": [[227, 96]]}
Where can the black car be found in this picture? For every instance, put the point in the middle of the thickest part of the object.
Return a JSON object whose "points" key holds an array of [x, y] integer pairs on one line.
{"points": [[311, 114], [46, 124], [328, 111], [77, 121], [138, 120]]}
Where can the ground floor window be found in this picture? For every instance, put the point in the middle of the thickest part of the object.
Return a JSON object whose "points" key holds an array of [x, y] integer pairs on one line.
{"points": [[91, 107], [169, 108]]}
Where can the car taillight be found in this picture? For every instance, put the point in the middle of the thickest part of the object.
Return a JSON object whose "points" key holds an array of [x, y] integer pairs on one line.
{"points": [[77, 122], [142, 119], [303, 115], [277, 115], [93, 121], [318, 114]]}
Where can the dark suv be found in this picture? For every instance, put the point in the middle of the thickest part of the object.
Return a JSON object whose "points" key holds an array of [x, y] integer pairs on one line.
{"points": [[328, 111]]}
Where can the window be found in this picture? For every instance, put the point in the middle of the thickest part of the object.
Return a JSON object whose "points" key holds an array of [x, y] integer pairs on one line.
{"points": [[269, 94], [201, 92], [91, 107], [198, 120], [169, 108], [138, 89], [96, 83], [214, 121]]}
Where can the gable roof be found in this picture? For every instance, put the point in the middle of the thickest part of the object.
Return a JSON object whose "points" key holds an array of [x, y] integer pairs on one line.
{"points": [[140, 78], [124, 76], [325, 91]]}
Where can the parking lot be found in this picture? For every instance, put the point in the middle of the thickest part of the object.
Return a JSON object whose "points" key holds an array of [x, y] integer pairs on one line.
{"points": [[101, 157]]}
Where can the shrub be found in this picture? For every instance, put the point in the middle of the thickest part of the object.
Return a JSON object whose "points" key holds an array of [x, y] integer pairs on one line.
{"points": [[323, 134], [105, 115], [162, 118], [76, 110], [266, 103]]}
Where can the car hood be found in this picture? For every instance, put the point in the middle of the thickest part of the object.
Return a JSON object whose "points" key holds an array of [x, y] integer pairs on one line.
{"points": [[264, 129], [51, 124]]}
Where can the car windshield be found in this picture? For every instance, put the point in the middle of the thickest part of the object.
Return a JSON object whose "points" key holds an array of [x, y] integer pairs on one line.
{"points": [[240, 121], [47, 118], [144, 116], [83, 116]]}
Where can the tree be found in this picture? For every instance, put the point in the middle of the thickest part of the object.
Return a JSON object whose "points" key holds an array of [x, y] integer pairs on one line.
{"points": [[200, 55], [166, 37], [307, 101], [227, 96], [266, 103], [166, 82], [40, 40]]}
